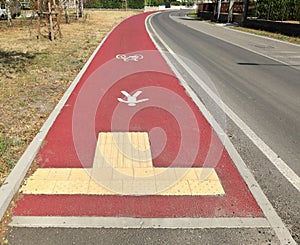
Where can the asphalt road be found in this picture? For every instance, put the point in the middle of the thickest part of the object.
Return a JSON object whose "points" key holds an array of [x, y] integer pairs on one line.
{"points": [[263, 92]]}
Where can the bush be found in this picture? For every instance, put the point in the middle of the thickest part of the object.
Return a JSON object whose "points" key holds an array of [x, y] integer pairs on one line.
{"points": [[155, 2], [108, 4], [176, 3], [135, 4]]}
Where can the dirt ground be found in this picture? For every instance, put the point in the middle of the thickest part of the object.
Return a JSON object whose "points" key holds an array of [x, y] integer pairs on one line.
{"points": [[34, 74]]}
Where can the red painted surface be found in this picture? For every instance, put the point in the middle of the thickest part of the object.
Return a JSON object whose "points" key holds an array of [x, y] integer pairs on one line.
{"points": [[93, 107]]}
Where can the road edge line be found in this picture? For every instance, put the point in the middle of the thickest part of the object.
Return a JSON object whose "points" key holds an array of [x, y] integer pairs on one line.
{"points": [[273, 218], [14, 180], [121, 222]]}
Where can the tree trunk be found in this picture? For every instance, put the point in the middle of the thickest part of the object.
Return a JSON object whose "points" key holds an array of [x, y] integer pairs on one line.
{"points": [[51, 31], [245, 12], [230, 11], [219, 10], [8, 12], [81, 8], [77, 9], [39, 18], [66, 9]]}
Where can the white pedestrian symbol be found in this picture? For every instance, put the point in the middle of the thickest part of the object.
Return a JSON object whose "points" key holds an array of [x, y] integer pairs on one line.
{"points": [[125, 58], [132, 99]]}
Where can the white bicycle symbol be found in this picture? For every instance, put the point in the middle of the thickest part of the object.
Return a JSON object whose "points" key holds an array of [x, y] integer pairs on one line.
{"points": [[125, 58]]}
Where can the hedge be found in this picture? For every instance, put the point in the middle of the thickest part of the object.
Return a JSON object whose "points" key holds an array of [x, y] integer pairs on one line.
{"points": [[278, 9], [114, 4], [135, 4]]}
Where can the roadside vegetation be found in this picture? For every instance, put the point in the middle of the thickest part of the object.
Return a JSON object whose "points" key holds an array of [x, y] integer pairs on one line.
{"points": [[34, 74], [278, 36], [278, 10]]}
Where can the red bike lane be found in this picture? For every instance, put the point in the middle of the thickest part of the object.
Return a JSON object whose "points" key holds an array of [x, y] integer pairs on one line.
{"points": [[129, 87]]}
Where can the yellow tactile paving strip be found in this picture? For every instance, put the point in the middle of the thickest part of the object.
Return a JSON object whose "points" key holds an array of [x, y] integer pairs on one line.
{"points": [[123, 166]]}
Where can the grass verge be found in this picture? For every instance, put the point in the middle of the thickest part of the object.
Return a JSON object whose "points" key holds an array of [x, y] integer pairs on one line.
{"points": [[277, 36]]}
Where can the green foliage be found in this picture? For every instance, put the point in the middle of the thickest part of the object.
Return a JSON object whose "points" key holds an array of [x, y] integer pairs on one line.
{"points": [[135, 4], [155, 2], [184, 3], [278, 9], [108, 4], [114, 4], [176, 3]]}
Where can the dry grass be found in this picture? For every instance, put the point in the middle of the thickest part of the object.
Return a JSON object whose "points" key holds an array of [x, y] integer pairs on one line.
{"points": [[35, 73]]}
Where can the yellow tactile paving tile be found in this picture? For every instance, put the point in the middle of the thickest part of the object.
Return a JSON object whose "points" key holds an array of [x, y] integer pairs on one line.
{"points": [[144, 172], [124, 181], [77, 174], [41, 174], [180, 188], [208, 187], [96, 189], [34, 186], [115, 172], [59, 174], [139, 187], [206, 174], [123, 174], [186, 173], [71, 187], [165, 174], [121, 150]]}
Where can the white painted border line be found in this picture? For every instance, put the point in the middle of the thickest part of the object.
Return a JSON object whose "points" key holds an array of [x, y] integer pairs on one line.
{"points": [[275, 221], [121, 222], [12, 183]]}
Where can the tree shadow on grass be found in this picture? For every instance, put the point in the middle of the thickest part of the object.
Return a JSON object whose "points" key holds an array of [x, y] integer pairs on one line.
{"points": [[14, 59]]}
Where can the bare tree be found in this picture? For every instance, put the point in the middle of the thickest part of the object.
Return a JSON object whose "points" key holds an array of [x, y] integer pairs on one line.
{"points": [[65, 5], [80, 8], [77, 9], [8, 12]]}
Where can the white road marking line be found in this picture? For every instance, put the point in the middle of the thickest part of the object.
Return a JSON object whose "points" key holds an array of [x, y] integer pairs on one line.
{"points": [[267, 208], [121, 222]]}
